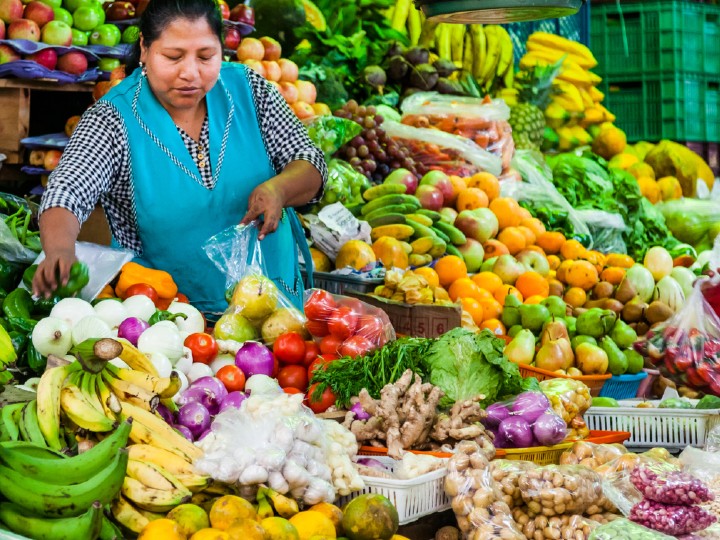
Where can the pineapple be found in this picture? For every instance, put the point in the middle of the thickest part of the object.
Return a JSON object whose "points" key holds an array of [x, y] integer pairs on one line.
{"points": [[527, 118]]}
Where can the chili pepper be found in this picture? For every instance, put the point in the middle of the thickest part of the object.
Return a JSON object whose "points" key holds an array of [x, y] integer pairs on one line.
{"points": [[78, 278], [35, 360], [165, 316], [29, 275], [32, 242], [17, 304]]}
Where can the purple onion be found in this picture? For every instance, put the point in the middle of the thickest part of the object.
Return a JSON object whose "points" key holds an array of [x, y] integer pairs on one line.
{"points": [[208, 391], [204, 434], [530, 405], [549, 429], [359, 412], [233, 400], [166, 414], [254, 358], [185, 432], [674, 520], [131, 328], [516, 431], [372, 463], [195, 417], [496, 413]]}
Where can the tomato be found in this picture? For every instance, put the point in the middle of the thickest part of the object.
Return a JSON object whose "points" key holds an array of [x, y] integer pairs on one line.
{"points": [[356, 346], [294, 376], [372, 328], [327, 400], [276, 366], [330, 344], [180, 297], [142, 289], [232, 377], [355, 305], [317, 328], [319, 305], [318, 363], [203, 346], [289, 348], [291, 390], [311, 352], [342, 323]]}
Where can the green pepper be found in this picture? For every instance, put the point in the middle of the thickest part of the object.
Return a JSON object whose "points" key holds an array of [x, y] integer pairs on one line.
{"points": [[5, 324], [78, 278], [159, 316], [20, 324], [19, 341], [32, 242], [9, 274], [17, 304], [29, 275], [42, 306], [35, 360]]}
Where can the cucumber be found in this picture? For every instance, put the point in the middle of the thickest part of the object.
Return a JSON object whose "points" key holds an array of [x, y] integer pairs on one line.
{"points": [[387, 200], [455, 235], [441, 234], [421, 230], [432, 214], [422, 220], [378, 191], [387, 219], [391, 209]]}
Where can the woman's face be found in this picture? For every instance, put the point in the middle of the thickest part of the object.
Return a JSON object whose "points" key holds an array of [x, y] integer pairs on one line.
{"points": [[183, 63]]}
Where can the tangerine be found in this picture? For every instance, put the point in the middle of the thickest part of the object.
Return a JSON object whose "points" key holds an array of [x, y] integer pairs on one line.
{"points": [[471, 199], [491, 308], [463, 288], [488, 183], [449, 269], [613, 274], [488, 281], [561, 272], [553, 261], [507, 211], [494, 248], [575, 297], [513, 238], [430, 276], [494, 325], [582, 274], [532, 284], [162, 529], [572, 249], [530, 236], [551, 242], [474, 308], [458, 185], [534, 299], [534, 224], [524, 213]]}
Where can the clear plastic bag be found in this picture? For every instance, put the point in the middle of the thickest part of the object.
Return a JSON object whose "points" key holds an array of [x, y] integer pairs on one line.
{"points": [[623, 529], [344, 185], [555, 490], [346, 326], [506, 474], [669, 487], [257, 308], [671, 519], [690, 219], [591, 455], [329, 133], [569, 398], [540, 527], [477, 502], [442, 151], [606, 229]]}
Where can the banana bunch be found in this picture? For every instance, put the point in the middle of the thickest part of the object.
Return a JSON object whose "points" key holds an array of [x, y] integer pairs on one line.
{"points": [[51, 497], [8, 356]]}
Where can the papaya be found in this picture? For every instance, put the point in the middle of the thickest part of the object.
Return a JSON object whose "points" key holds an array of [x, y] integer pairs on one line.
{"points": [[390, 252], [356, 254]]}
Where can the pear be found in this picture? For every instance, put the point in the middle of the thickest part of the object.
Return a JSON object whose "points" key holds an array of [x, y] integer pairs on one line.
{"points": [[511, 314], [623, 335], [554, 355], [590, 323], [603, 290], [553, 330], [657, 312], [635, 361], [625, 292], [633, 310], [574, 372], [577, 340], [533, 316], [521, 350], [617, 361], [591, 359]]}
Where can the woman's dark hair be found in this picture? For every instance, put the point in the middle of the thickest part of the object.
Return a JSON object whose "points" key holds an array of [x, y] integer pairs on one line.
{"points": [[160, 13]]}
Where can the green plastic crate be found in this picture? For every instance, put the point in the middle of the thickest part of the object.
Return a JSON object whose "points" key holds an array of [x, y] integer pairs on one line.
{"points": [[662, 37], [680, 106]]}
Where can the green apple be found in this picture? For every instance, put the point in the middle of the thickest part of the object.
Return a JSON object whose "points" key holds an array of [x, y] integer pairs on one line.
{"points": [[52, 3], [106, 34], [62, 14], [72, 5], [108, 64], [88, 17], [79, 38]]}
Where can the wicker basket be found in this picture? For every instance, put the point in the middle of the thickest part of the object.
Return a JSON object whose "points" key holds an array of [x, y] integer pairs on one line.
{"points": [[593, 382]]}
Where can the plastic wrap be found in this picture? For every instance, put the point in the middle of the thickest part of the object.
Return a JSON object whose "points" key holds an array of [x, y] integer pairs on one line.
{"points": [[442, 151], [483, 121], [477, 502], [705, 465], [671, 519], [345, 326], [606, 229], [329, 133], [670, 487], [569, 399], [690, 220], [591, 455], [344, 185], [555, 490], [543, 528], [623, 529], [506, 474]]}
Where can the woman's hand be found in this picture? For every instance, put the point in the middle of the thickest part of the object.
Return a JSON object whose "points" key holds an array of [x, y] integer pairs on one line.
{"points": [[267, 200], [53, 271]]}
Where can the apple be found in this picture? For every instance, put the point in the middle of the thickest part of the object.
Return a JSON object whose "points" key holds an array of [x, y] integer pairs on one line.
{"points": [[488, 264], [537, 262], [479, 224], [37, 158], [244, 14], [24, 29], [63, 15], [306, 91], [224, 9], [106, 34], [73, 62], [508, 269], [272, 70], [58, 33], [119, 11], [88, 17], [473, 255], [403, 176], [289, 91], [11, 10], [73, 5], [39, 12], [288, 70], [2, 29], [448, 215], [46, 57], [52, 158], [232, 38], [55, 4], [108, 64], [130, 35], [79, 37], [8, 54], [439, 180], [257, 67], [273, 50], [431, 198]]}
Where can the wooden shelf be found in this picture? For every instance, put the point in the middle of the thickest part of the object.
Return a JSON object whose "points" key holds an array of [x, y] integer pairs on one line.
{"points": [[46, 85]]}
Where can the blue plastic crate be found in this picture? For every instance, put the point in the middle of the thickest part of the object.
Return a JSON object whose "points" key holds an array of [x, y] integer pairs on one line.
{"points": [[622, 386]]}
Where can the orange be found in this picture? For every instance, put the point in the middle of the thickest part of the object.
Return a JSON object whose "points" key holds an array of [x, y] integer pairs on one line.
{"points": [[229, 508], [483, 295], [617, 259], [463, 288], [311, 524], [430, 276], [513, 238], [530, 236], [491, 308], [470, 199], [507, 211], [532, 284], [596, 258], [551, 242], [534, 224], [582, 274], [613, 274], [524, 213], [534, 248], [534, 299], [554, 261], [450, 268], [458, 184], [572, 249], [162, 529], [474, 308], [488, 280], [561, 272], [487, 182], [494, 325], [494, 248], [506, 290], [575, 296], [331, 511]]}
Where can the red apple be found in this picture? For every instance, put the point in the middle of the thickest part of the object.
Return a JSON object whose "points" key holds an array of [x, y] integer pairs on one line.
{"points": [[224, 9], [250, 49], [73, 62], [439, 180], [39, 12], [2, 29], [8, 54], [232, 38], [10, 10], [119, 11], [479, 224], [430, 197], [243, 13], [403, 176], [46, 57], [57, 33], [24, 29]]}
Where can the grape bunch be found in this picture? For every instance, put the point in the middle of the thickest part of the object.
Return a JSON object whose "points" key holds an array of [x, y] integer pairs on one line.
{"points": [[372, 152]]}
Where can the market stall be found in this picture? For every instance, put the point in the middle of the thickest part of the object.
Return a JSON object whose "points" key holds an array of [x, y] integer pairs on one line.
{"points": [[514, 326]]}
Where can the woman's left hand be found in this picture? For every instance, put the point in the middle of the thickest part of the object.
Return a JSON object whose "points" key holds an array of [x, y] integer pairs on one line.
{"points": [[266, 200]]}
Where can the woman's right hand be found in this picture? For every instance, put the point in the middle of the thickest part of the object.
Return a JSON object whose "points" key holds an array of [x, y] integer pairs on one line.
{"points": [[53, 271]]}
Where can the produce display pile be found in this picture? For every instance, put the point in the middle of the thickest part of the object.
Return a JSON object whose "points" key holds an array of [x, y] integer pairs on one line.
{"points": [[574, 275]]}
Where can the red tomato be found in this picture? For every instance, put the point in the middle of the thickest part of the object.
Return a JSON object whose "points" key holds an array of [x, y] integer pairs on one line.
{"points": [[327, 400], [163, 303], [293, 376], [372, 328], [180, 297], [289, 348], [330, 344], [276, 366], [356, 346], [342, 323], [311, 352], [232, 377], [203, 346], [142, 289], [291, 390], [355, 305], [319, 306], [318, 363], [317, 328]]}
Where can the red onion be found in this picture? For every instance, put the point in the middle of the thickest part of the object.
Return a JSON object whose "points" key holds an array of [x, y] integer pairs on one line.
{"points": [[530, 405], [496, 413], [671, 519], [185, 432], [195, 417], [516, 431], [166, 414], [372, 463], [131, 328], [254, 358], [233, 400], [206, 390], [359, 412], [549, 429], [672, 487]]}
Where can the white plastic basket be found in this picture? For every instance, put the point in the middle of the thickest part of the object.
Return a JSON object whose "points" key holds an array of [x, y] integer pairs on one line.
{"points": [[653, 427], [414, 498]]}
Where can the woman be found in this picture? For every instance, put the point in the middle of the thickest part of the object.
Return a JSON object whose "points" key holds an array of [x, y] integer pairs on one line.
{"points": [[182, 148]]}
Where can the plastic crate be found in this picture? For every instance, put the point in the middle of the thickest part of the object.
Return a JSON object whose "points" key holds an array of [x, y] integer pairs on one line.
{"points": [[413, 498], [680, 107], [662, 37], [339, 283], [653, 427], [623, 386], [594, 382]]}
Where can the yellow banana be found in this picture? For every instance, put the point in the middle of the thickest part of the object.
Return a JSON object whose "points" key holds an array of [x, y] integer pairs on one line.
{"points": [[154, 500], [493, 53], [567, 139], [571, 92], [607, 115], [575, 76], [82, 412], [153, 476], [284, 506], [127, 391], [400, 14], [127, 515], [556, 116], [135, 359], [428, 34], [596, 95], [467, 62], [8, 356], [506, 52], [443, 40], [568, 103], [414, 24], [581, 135], [168, 460], [586, 97], [555, 54], [457, 41], [553, 41], [479, 49], [509, 77], [48, 403], [264, 509]]}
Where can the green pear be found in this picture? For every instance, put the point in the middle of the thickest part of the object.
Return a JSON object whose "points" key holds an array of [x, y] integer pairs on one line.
{"points": [[591, 359], [554, 355], [577, 340], [554, 329], [635, 361], [571, 324], [521, 350], [533, 316], [556, 306], [590, 323], [608, 320], [510, 314], [617, 362], [488, 264], [623, 335], [514, 330]]}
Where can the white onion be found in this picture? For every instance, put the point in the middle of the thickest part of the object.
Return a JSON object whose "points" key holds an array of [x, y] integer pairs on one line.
{"points": [[162, 337], [262, 384], [221, 361], [184, 383], [161, 362], [139, 306], [71, 310], [52, 335], [90, 327], [198, 370], [113, 312], [185, 361], [193, 323]]}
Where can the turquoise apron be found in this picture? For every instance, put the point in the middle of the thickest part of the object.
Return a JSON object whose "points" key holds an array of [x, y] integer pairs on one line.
{"points": [[176, 213]]}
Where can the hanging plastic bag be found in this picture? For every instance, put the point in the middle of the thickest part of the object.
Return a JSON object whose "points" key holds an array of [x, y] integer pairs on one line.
{"points": [[19, 239], [258, 309], [329, 133], [607, 230]]}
